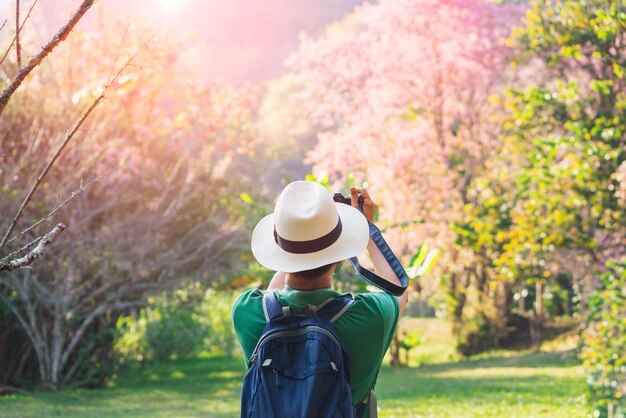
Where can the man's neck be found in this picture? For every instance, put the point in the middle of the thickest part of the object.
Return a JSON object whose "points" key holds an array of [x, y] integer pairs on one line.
{"points": [[300, 283]]}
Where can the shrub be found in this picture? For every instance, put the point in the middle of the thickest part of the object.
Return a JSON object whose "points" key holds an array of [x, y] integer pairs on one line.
{"points": [[173, 331], [475, 335], [178, 325], [215, 315], [604, 343]]}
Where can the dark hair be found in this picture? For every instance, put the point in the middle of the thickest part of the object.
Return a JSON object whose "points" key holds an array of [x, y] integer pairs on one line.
{"points": [[314, 273]]}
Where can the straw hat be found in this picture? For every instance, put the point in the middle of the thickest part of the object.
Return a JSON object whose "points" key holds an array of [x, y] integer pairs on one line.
{"points": [[308, 230]]}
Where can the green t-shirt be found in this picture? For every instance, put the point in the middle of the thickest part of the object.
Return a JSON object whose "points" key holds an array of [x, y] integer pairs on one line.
{"points": [[365, 329]]}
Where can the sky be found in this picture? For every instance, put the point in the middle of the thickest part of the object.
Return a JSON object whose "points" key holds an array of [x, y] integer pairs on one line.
{"points": [[237, 41]]}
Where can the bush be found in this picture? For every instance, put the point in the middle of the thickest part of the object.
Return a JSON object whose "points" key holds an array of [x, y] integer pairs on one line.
{"points": [[178, 325], [174, 331], [215, 315], [162, 331], [475, 335], [604, 343]]}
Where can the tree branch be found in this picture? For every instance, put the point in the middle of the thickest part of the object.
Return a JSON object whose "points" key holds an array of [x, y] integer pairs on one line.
{"points": [[108, 305], [75, 193], [20, 250], [7, 264], [59, 37], [68, 137], [32, 6], [18, 46]]}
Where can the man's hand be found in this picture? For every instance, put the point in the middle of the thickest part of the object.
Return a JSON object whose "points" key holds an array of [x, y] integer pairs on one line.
{"points": [[369, 207]]}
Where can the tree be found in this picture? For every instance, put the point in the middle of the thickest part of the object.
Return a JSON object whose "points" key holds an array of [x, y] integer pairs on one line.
{"points": [[156, 168], [569, 134], [401, 92]]}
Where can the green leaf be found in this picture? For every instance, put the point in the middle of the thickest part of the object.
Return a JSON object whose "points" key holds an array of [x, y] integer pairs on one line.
{"points": [[418, 257], [427, 264]]}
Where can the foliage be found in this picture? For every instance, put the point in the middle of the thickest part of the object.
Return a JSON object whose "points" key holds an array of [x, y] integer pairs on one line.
{"points": [[165, 329], [408, 341], [396, 106], [475, 335], [215, 311], [604, 339], [399, 92], [180, 324], [433, 338], [569, 130], [548, 206], [162, 151]]}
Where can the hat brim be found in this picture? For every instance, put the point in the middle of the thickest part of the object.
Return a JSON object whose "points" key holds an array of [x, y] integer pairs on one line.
{"points": [[352, 242]]}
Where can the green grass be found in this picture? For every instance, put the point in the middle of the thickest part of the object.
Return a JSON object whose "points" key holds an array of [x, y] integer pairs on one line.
{"points": [[526, 385], [203, 387], [502, 384]]}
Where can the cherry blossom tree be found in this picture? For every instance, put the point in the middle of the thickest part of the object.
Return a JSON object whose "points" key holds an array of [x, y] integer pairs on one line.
{"points": [[400, 91]]}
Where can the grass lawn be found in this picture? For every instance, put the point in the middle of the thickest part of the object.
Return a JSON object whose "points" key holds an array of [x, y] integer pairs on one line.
{"points": [[547, 384], [527, 385]]}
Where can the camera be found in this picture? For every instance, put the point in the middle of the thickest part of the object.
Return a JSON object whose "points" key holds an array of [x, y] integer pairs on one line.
{"points": [[340, 198]]}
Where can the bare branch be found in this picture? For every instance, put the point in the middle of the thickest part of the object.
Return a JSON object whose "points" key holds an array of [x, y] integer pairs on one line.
{"points": [[111, 303], [117, 53], [3, 24], [24, 248], [7, 264], [75, 193], [32, 6], [18, 46], [68, 137], [60, 36]]}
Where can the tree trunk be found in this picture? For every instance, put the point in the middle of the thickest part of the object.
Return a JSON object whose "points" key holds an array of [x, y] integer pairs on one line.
{"points": [[504, 305], [536, 329], [394, 350], [458, 291]]}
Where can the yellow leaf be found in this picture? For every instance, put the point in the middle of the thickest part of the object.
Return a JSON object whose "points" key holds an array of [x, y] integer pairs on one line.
{"points": [[246, 198]]}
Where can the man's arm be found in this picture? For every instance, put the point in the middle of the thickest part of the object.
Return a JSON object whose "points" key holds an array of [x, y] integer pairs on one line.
{"points": [[381, 266]]}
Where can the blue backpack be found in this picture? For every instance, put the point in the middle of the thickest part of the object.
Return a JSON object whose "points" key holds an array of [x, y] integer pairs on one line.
{"points": [[299, 368]]}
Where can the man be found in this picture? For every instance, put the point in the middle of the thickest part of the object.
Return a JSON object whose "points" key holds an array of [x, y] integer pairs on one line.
{"points": [[304, 240]]}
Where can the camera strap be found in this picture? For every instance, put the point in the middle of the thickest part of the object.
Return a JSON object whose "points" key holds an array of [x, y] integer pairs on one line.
{"points": [[393, 261]]}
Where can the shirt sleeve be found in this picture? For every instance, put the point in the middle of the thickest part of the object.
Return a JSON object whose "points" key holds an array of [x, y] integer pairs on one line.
{"points": [[386, 308], [248, 320]]}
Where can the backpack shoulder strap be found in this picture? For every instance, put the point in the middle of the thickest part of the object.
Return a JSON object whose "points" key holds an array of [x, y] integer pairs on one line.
{"points": [[332, 309], [369, 403], [271, 308]]}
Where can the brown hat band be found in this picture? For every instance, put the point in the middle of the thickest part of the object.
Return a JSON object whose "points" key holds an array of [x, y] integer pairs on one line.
{"points": [[310, 246]]}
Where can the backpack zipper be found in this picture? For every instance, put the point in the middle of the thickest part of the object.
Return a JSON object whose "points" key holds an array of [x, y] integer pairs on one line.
{"points": [[291, 333]]}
